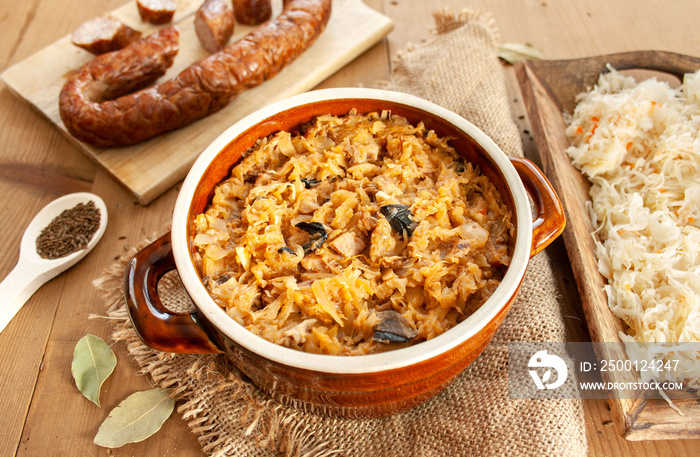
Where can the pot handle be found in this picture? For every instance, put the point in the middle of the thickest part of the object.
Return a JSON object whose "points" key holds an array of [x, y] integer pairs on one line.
{"points": [[158, 327], [550, 219]]}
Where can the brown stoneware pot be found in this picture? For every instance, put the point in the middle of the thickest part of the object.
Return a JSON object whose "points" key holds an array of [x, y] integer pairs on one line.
{"points": [[346, 386]]}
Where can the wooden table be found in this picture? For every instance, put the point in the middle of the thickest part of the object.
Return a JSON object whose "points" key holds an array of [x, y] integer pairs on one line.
{"points": [[42, 412]]}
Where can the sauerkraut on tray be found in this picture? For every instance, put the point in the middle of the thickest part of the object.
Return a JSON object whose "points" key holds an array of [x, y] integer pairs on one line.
{"points": [[360, 234], [639, 145]]}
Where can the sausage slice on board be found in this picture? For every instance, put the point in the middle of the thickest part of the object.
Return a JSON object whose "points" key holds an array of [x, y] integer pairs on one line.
{"points": [[103, 34], [92, 113], [214, 24], [156, 11]]}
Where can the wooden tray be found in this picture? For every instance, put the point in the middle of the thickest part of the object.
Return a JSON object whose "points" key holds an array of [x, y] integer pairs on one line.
{"points": [[150, 168], [548, 89]]}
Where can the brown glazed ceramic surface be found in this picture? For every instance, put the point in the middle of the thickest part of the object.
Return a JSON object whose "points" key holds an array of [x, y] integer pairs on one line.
{"points": [[359, 386]]}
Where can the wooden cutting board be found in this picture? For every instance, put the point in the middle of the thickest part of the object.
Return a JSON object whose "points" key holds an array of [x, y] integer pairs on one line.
{"points": [[150, 168], [549, 88]]}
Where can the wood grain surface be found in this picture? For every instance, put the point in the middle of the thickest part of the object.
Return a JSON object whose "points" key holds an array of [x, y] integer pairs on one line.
{"points": [[42, 411]]}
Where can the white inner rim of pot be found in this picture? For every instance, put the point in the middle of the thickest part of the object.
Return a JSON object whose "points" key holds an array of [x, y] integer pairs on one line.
{"points": [[362, 363]]}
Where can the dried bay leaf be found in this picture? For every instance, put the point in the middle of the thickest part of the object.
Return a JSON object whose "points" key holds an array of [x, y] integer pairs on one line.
{"points": [[93, 362], [515, 52], [136, 418]]}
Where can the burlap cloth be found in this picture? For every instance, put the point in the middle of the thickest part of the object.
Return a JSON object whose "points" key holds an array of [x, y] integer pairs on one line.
{"points": [[457, 68]]}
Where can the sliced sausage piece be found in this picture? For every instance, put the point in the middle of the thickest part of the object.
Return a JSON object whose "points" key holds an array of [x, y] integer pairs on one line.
{"points": [[156, 11], [104, 34], [252, 12], [214, 24], [92, 113]]}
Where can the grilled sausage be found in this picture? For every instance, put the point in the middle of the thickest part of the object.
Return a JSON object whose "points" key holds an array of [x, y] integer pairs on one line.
{"points": [[252, 12], [214, 24], [103, 34], [92, 113], [156, 11]]}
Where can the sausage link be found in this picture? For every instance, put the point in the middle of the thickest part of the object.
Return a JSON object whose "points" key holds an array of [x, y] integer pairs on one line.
{"points": [[252, 12], [92, 113]]}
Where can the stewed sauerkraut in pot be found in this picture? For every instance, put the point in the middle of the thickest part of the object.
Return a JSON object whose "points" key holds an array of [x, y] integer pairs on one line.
{"points": [[362, 233]]}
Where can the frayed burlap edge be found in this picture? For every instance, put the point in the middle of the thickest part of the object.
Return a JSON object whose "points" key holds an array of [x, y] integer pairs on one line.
{"points": [[448, 20], [458, 68]]}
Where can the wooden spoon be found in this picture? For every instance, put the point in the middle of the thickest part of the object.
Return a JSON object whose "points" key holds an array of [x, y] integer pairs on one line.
{"points": [[32, 270]]}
